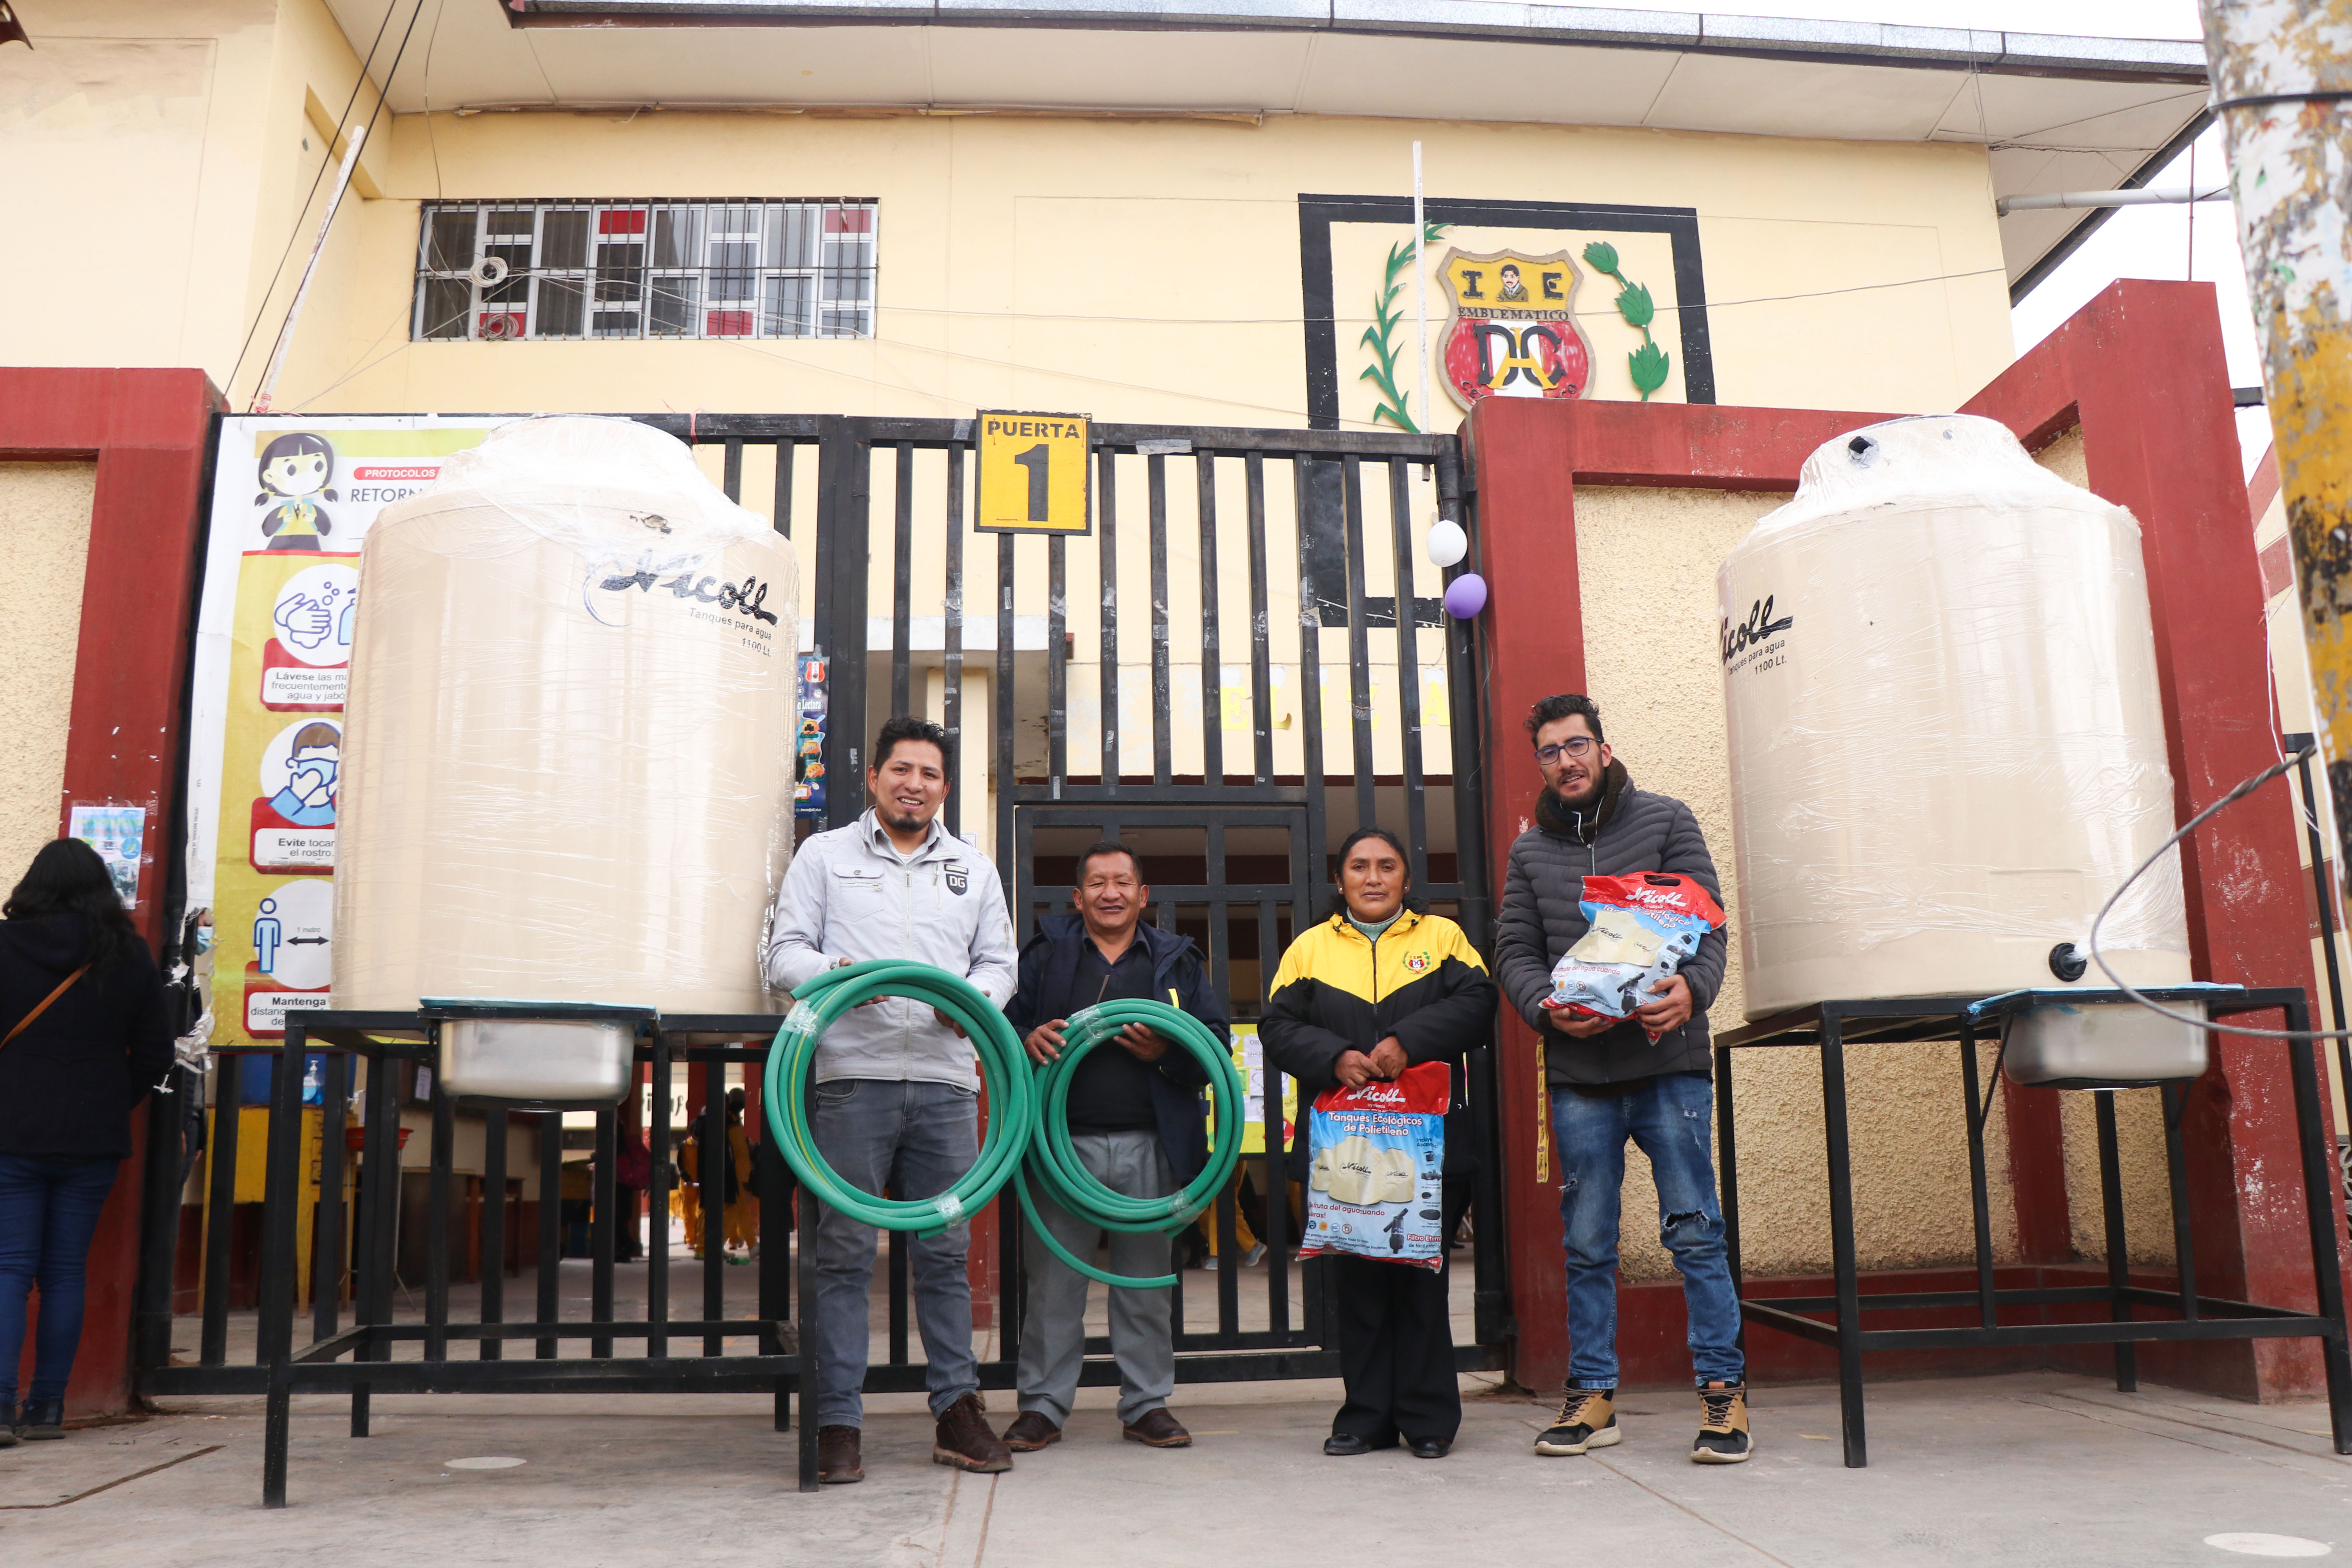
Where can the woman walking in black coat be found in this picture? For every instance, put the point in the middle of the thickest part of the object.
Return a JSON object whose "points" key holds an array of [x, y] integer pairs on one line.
{"points": [[88, 1032], [1376, 989]]}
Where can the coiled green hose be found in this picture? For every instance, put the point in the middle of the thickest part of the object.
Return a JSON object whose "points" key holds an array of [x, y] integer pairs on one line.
{"points": [[1053, 1164], [1011, 1090]]}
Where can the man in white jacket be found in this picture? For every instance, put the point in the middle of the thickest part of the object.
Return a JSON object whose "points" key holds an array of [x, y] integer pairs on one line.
{"points": [[898, 1087]]}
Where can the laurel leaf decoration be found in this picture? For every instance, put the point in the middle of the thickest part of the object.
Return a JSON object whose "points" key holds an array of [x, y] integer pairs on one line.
{"points": [[1649, 364], [1381, 337]]}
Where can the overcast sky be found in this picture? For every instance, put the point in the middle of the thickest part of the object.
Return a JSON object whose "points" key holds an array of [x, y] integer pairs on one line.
{"points": [[2135, 242]]}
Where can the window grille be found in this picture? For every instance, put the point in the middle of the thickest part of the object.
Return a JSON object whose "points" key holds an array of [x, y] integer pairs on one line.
{"points": [[599, 268]]}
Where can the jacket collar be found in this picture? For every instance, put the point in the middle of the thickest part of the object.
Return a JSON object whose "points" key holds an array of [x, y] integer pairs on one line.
{"points": [[876, 838], [1406, 919], [1581, 825]]}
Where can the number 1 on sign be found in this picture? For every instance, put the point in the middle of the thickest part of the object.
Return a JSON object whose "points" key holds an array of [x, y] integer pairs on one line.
{"points": [[1038, 461]]}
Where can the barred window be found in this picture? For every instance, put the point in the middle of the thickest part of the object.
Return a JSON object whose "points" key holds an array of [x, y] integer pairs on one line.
{"points": [[595, 268]]}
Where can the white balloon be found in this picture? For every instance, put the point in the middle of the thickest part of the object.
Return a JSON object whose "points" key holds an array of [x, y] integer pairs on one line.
{"points": [[1447, 543]]}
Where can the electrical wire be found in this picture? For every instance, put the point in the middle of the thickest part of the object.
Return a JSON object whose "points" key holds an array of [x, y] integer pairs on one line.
{"points": [[2247, 787]]}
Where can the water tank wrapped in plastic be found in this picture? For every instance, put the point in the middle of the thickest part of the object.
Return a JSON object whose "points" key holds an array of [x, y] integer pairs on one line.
{"points": [[569, 731], [1946, 740]]}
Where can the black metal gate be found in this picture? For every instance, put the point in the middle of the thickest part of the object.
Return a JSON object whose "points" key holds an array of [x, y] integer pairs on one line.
{"points": [[1130, 740], [1235, 837]]}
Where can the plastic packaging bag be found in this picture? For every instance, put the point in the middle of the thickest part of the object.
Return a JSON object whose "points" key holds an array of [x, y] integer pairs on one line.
{"points": [[1378, 1164], [1643, 927]]}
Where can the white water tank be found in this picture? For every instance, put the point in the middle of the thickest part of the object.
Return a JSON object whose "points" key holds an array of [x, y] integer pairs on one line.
{"points": [[569, 742], [1946, 737]]}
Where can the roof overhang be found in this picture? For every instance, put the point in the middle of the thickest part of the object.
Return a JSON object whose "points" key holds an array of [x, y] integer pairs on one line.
{"points": [[2055, 113]]}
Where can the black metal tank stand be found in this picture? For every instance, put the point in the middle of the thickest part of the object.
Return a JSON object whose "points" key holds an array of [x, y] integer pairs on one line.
{"points": [[372, 1355], [1830, 1026]]}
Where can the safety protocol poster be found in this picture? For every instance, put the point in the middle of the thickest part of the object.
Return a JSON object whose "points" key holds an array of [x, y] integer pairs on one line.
{"points": [[292, 502]]}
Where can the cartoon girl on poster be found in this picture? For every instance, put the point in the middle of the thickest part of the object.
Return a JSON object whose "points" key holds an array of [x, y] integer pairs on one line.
{"points": [[296, 470]]}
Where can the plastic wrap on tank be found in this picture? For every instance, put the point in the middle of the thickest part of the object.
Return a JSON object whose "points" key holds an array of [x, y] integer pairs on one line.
{"points": [[569, 743], [1946, 740]]}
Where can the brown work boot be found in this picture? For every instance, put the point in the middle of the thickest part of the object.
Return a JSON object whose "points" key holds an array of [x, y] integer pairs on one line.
{"points": [[1159, 1429], [837, 1459], [966, 1441], [1030, 1431]]}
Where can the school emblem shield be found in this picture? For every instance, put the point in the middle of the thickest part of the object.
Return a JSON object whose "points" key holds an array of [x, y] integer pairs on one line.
{"points": [[958, 881], [1416, 961], [1512, 331]]}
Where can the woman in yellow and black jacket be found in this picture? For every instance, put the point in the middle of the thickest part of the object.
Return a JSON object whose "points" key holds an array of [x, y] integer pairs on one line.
{"points": [[1377, 988]]}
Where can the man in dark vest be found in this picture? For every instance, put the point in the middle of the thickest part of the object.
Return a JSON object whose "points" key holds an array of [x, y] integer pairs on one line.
{"points": [[1135, 1117], [1647, 1078]]}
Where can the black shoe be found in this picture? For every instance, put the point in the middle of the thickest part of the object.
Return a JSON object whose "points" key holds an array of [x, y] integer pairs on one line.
{"points": [[1343, 1444], [1431, 1448], [1723, 1436], [41, 1420]]}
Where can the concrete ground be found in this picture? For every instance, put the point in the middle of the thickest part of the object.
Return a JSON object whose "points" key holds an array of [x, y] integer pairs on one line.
{"points": [[2015, 1470]]}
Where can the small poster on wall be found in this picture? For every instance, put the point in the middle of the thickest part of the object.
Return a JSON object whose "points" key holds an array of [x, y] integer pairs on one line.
{"points": [[117, 833]]}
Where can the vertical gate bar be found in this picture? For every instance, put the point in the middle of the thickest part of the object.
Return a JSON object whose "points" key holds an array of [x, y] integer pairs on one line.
{"points": [[550, 1227], [1221, 949], [782, 517], [2111, 1207], [1416, 803], [371, 1259], [902, 578], [327, 1254], [2184, 1245], [951, 654], [603, 1229], [731, 475], [494, 1227], [436, 1224], [805, 1339], [1213, 674], [1057, 664], [1979, 1205], [1727, 1141], [712, 1157], [1307, 874], [1360, 642], [274, 1331], [898, 1297], [1106, 574], [1161, 765], [657, 1199], [1274, 1177], [772, 1177], [844, 461], [163, 1179], [1261, 651], [1000, 718], [220, 1209]]}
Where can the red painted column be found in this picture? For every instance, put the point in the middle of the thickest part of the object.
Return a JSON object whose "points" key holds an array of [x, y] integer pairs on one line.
{"points": [[149, 430], [1523, 455]]}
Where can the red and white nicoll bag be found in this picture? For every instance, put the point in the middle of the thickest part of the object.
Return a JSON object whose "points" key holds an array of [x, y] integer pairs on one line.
{"points": [[1377, 1180], [1643, 927]]}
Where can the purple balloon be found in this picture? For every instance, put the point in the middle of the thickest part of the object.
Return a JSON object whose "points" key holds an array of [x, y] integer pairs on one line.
{"points": [[1466, 596]]}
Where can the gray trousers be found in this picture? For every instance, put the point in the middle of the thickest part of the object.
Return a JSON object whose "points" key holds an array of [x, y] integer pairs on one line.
{"points": [[916, 1138], [1054, 1327]]}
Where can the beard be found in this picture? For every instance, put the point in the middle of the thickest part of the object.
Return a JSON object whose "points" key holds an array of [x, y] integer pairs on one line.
{"points": [[1581, 796], [900, 821]]}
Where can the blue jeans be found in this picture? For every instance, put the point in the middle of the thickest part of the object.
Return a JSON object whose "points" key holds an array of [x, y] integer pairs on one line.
{"points": [[915, 1139], [1669, 1119], [49, 1205]]}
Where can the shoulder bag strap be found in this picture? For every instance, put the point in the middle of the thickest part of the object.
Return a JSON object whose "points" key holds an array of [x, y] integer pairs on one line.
{"points": [[27, 1021]]}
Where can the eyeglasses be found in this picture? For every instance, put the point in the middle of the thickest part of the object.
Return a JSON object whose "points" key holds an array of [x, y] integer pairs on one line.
{"points": [[1575, 746]]}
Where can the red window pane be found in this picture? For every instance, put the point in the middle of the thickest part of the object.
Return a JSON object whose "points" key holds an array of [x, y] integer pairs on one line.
{"points": [[727, 324], [621, 222], [499, 325], [848, 220]]}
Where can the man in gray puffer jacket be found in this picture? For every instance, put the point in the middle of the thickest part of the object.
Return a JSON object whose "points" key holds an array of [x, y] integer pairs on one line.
{"points": [[1608, 1081]]}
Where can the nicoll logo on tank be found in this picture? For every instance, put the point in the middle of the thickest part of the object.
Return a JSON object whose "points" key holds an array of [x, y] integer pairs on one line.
{"points": [[1756, 629], [684, 581]]}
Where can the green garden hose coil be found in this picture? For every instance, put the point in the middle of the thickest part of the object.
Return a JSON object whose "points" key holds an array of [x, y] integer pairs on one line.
{"points": [[1028, 1127], [1011, 1090], [1053, 1166]]}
